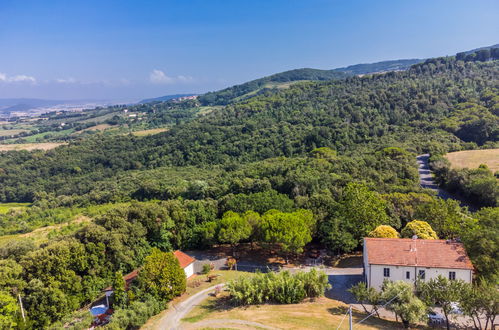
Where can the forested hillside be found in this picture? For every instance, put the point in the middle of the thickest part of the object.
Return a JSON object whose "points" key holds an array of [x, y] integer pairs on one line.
{"points": [[324, 162], [350, 116]]}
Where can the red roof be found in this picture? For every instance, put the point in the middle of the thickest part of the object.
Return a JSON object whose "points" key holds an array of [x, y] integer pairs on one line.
{"points": [[418, 252], [183, 259]]}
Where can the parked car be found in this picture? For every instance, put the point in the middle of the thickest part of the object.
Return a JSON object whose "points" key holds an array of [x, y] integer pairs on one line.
{"points": [[435, 318], [455, 308]]}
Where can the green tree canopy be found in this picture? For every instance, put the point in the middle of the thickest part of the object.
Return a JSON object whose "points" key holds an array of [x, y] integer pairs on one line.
{"points": [[291, 231], [233, 228], [162, 275]]}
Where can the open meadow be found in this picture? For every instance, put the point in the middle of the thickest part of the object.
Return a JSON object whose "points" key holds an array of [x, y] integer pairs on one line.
{"points": [[473, 158], [30, 146]]}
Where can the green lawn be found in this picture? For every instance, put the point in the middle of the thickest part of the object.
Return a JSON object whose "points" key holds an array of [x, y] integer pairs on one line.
{"points": [[5, 207]]}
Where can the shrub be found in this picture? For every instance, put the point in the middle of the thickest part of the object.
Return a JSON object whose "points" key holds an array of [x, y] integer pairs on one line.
{"points": [[206, 269], [136, 315], [281, 288], [420, 228], [384, 231]]}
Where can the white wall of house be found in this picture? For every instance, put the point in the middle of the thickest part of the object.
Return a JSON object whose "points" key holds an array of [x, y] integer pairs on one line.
{"points": [[189, 270], [375, 274]]}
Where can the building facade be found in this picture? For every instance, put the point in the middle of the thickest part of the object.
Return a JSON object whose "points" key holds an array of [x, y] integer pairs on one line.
{"points": [[398, 259]]}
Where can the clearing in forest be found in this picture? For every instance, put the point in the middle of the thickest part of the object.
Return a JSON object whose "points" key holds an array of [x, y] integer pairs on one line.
{"points": [[151, 131], [30, 146], [473, 158]]}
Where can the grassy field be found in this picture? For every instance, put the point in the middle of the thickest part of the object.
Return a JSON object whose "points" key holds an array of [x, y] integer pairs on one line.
{"points": [[30, 146], [150, 131], [6, 207], [11, 132], [323, 313], [473, 158], [100, 127]]}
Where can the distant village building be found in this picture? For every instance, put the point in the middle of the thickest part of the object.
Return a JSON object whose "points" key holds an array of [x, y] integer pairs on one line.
{"points": [[400, 259]]}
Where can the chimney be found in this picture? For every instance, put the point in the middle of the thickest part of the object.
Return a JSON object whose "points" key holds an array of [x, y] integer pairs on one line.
{"points": [[413, 243]]}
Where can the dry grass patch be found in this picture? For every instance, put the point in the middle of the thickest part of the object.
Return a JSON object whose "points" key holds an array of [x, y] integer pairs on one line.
{"points": [[11, 132], [322, 313], [473, 158], [150, 131], [30, 146], [100, 127]]}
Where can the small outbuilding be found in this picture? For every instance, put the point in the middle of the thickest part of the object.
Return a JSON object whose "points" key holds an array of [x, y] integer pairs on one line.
{"points": [[400, 259], [186, 262]]}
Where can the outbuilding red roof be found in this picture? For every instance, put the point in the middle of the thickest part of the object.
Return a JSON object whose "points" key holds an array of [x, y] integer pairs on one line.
{"points": [[183, 259], [417, 252]]}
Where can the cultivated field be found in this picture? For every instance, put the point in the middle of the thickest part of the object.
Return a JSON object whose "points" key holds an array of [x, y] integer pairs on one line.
{"points": [[100, 127], [11, 132], [473, 158], [30, 146], [150, 131]]}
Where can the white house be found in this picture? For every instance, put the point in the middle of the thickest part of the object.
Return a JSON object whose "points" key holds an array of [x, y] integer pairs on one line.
{"points": [[401, 259], [186, 262]]}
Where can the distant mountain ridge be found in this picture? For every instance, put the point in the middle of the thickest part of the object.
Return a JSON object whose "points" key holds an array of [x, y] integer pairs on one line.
{"points": [[164, 98], [235, 93], [225, 96], [384, 66]]}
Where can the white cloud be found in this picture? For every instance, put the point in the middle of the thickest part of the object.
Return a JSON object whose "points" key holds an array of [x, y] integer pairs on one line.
{"points": [[66, 80], [17, 78], [159, 77]]}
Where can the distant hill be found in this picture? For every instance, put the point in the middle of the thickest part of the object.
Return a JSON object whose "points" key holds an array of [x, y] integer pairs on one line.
{"points": [[258, 86], [468, 52], [164, 98], [235, 93], [395, 65]]}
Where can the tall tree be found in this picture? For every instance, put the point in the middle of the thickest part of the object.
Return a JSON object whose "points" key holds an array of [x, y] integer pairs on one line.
{"points": [[442, 292], [162, 275], [291, 231], [119, 294], [362, 210], [233, 228], [401, 300]]}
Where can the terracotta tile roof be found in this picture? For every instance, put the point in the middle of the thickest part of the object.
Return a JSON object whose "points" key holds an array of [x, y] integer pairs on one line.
{"points": [[419, 252], [183, 259]]}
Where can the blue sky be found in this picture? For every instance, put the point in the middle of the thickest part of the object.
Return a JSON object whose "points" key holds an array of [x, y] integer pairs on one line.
{"points": [[107, 49]]}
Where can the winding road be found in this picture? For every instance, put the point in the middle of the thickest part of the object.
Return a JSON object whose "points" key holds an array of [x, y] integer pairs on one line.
{"points": [[171, 320], [426, 181], [426, 178]]}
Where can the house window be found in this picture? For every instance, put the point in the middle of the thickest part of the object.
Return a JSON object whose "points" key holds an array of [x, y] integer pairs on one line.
{"points": [[408, 275], [386, 272], [452, 275], [422, 274]]}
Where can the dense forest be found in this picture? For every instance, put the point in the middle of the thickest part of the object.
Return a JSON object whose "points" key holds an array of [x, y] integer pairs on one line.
{"points": [[325, 162]]}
